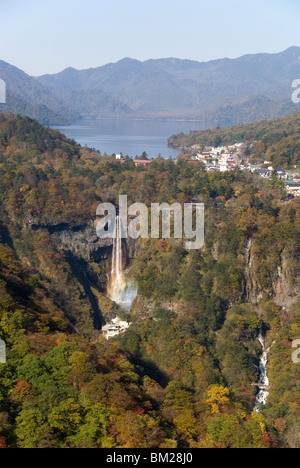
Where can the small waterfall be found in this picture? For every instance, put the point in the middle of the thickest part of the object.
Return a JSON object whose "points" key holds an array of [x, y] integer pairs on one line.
{"points": [[119, 290], [264, 383]]}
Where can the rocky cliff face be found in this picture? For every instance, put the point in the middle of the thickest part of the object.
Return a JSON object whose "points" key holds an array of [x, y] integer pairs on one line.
{"points": [[84, 242], [79, 283], [93, 256], [283, 282], [286, 287]]}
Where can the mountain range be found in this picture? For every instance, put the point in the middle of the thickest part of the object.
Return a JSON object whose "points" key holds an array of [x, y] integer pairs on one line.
{"points": [[226, 91]]}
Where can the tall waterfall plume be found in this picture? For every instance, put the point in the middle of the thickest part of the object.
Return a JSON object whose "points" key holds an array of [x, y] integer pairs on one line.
{"points": [[119, 290]]}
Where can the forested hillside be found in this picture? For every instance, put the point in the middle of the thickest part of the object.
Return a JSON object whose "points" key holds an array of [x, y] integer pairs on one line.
{"points": [[26, 96], [274, 140], [184, 373]]}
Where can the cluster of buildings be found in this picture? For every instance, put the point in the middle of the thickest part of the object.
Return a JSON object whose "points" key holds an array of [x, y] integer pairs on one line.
{"points": [[293, 186], [228, 158], [223, 159], [290, 179], [114, 328]]}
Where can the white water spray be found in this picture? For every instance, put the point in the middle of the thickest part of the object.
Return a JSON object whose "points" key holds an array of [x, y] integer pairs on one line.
{"points": [[264, 383], [119, 290]]}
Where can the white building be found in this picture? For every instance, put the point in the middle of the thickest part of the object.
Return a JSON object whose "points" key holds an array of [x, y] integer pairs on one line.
{"points": [[114, 328], [293, 188]]}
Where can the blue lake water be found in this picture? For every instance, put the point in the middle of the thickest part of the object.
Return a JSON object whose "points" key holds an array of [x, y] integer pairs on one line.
{"points": [[130, 137]]}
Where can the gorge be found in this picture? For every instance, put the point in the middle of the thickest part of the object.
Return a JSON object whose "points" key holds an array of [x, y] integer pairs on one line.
{"points": [[183, 374]]}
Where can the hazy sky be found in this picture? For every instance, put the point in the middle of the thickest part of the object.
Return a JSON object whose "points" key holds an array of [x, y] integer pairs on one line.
{"points": [[42, 36]]}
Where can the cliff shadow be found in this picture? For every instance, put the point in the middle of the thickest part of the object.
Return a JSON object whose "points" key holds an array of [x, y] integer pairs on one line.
{"points": [[80, 271]]}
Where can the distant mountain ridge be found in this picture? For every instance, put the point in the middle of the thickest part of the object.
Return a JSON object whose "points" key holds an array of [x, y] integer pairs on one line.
{"points": [[228, 91], [26, 96]]}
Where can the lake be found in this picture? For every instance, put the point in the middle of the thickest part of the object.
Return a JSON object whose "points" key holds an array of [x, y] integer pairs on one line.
{"points": [[130, 137]]}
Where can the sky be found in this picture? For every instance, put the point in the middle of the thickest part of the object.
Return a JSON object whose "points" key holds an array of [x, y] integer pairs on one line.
{"points": [[42, 36]]}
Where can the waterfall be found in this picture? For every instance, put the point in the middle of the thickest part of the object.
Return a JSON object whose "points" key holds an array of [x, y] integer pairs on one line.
{"points": [[117, 262], [119, 290], [264, 383], [116, 283]]}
